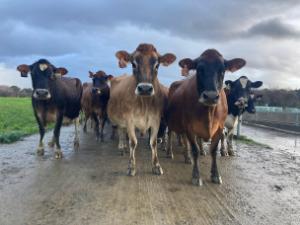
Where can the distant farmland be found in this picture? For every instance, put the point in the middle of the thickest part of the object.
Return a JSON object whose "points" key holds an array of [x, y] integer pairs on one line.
{"points": [[16, 119]]}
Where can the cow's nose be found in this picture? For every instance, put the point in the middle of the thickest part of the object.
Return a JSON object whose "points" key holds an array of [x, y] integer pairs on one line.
{"points": [[144, 89], [211, 95], [42, 92]]}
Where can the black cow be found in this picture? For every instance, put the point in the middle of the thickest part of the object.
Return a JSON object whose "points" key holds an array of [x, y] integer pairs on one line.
{"points": [[53, 99], [239, 99]]}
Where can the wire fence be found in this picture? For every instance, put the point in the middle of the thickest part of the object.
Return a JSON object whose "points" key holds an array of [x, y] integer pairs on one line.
{"points": [[287, 119]]}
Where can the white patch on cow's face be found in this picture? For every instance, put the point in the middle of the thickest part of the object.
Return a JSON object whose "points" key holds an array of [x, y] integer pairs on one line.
{"points": [[243, 82], [43, 66]]}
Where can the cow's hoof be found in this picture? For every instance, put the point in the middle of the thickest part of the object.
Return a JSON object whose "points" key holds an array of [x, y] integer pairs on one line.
{"points": [[224, 153], [157, 170], [58, 155], [187, 160], [197, 182], [231, 152], [216, 179], [131, 172], [40, 151], [203, 153]]}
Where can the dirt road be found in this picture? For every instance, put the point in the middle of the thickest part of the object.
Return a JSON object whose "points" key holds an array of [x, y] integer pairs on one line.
{"points": [[90, 186]]}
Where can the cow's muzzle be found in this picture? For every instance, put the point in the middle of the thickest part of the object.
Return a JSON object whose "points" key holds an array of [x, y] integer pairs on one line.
{"points": [[241, 103], [96, 91], [41, 94], [209, 98], [144, 89]]}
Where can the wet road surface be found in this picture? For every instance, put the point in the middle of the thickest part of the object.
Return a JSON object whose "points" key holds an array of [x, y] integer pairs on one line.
{"points": [[90, 186]]}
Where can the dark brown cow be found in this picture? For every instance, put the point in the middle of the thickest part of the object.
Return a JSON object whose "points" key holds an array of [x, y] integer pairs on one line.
{"points": [[198, 107], [94, 100], [137, 101], [53, 99]]}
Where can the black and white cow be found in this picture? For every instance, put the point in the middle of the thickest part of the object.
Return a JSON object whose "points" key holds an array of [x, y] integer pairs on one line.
{"points": [[239, 99]]}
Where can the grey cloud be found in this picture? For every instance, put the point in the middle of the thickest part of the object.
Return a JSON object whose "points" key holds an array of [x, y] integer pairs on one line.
{"points": [[273, 28]]}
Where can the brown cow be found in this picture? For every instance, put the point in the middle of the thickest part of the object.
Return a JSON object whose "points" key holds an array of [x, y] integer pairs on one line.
{"points": [[137, 101], [53, 100], [94, 100], [198, 107]]}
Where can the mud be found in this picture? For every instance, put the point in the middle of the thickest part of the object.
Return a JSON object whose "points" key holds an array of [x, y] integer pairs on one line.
{"points": [[90, 186]]}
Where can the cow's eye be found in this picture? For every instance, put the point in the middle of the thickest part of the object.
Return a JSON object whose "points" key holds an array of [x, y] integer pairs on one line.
{"points": [[156, 66]]}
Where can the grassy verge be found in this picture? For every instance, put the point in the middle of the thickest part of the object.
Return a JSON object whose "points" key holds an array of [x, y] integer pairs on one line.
{"points": [[16, 119], [250, 141]]}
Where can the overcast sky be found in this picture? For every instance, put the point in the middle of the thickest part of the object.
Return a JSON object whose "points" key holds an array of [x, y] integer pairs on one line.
{"points": [[84, 35]]}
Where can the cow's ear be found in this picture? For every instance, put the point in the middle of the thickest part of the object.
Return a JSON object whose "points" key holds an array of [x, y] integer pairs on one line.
{"points": [[61, 71], [123, 57], [91, 75], [258, 97], [256, 84], [24, 70], [228, 83], [186, 65], [109, 77], [234, 64], [167, 59]]}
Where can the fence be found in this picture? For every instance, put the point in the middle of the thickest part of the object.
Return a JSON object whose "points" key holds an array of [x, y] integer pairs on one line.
{"points": [[276, 117]]}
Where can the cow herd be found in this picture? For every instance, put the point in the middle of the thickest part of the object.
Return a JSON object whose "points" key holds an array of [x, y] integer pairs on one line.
{"points": [[198, 108]]}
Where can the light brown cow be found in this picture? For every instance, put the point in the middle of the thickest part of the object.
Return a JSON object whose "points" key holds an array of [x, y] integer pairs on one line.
{"points": [[137, 101], [198, 107]]}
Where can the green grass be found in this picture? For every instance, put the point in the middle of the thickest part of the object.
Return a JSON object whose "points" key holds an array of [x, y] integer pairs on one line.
{"points": [[16, 119], [249, 141]]}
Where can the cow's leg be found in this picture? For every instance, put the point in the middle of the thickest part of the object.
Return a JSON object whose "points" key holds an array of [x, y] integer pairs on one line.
{"points": [[96, 119], [156, 168], [223, 149], [59, 119], [170, 145], [51, 143], [113, 132], [196, 180], [40, 149], [180, 140], [86, 117], [104, 119], [199, 142], [76, 138], [229, 142], [122, 140], [186, 150], [132, 146], [215, 177]]}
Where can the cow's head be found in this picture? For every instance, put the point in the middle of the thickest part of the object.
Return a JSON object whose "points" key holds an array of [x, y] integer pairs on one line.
{"points": [[251, 102], [99, 81], [145, 61], [41, 73], [210, 69], [240, 91]]}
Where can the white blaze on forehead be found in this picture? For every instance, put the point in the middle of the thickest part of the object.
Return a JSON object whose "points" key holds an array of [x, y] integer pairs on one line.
{"points": [[243, 82], [43, 66]]}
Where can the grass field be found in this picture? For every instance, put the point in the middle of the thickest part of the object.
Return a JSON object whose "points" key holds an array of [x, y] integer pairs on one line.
{"points": [[16, 119]]}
